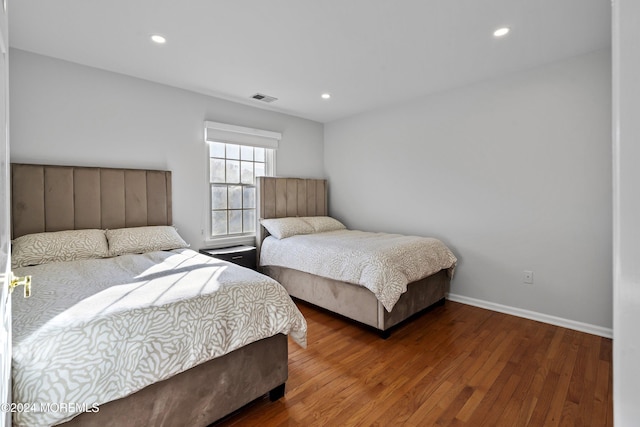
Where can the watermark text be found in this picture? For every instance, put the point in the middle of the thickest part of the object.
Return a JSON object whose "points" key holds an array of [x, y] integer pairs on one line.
{"points": [[64, 407]]}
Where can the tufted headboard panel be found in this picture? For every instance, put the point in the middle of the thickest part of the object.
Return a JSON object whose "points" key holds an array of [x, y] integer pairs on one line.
{"points": [[285, 197], [55, 198]]}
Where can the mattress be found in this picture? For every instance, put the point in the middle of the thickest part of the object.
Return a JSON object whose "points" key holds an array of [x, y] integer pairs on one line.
{"points": [[383, 263], [98, 330]]}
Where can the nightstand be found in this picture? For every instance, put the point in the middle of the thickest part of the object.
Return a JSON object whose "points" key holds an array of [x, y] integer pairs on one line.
{"points": [[241, 255]]}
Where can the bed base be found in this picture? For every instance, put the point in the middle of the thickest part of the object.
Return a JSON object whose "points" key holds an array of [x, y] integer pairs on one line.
{"points": [[203, 394], [357, 302]]}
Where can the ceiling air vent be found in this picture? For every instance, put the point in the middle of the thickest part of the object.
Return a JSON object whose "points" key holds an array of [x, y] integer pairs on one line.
{"points": [[264, 98]]}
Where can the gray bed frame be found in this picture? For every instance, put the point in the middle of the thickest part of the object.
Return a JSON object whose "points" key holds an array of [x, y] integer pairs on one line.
{"points": [[295, 197], [54, 198]]}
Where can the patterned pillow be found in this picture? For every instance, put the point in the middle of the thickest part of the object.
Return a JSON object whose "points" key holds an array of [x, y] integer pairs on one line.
{"points": [[323, 223], [56, 246], [286, 227], [137, 240]]}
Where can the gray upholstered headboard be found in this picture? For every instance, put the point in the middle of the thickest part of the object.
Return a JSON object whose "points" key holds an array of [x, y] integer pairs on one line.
{"points": [[54, 198], [285, 197]]}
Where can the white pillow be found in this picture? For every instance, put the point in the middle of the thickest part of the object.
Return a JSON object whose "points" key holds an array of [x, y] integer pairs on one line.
{"points": [[281, 228], [137, 240], [56, 246], [323, 223]]}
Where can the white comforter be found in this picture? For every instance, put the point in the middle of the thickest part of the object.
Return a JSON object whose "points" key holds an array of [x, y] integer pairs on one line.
{"points": [[383, 263], [98, 330]]}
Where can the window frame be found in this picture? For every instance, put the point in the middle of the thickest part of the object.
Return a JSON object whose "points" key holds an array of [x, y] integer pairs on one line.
{"points": [[238, 135]]}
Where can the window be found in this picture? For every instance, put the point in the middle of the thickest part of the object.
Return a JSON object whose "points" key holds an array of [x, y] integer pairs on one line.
{"points": [[232, 172], [237, 156]]}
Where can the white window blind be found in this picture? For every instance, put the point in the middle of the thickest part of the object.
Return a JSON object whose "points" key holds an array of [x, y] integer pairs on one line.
{"points": [[222, 132]]}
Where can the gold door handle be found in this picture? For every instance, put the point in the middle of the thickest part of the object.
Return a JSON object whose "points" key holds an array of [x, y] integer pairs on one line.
{"points": [[21, 281]]}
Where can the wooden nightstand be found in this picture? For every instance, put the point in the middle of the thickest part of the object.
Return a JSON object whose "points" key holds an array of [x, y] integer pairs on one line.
{"points": [[241, 255]]}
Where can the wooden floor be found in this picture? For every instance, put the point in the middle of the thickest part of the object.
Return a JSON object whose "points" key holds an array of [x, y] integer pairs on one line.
{"points": [[455, 365]]}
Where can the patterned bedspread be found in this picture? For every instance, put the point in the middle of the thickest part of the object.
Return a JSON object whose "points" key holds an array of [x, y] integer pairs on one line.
{"points": [[98, 330], [383, 263]]}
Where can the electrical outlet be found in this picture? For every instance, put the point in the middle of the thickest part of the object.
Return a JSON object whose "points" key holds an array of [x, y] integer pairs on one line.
{"points": [[527, 277]]}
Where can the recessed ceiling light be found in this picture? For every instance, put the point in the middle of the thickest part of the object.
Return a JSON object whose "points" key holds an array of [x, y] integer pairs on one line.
{"points": [[326, 95], [157, 38], [501, 31]]}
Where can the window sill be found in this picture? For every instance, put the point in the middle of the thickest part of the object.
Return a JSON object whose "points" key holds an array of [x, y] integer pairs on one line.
{"points": [[222, 242]]}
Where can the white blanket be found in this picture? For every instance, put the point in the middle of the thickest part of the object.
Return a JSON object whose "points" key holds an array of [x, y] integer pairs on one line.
{"points": [[383, 263], [98, 330]]}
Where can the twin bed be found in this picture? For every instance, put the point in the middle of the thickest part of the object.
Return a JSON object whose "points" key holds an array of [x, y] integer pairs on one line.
{"points": [[150, 337], [376, 279], [125, 318]]}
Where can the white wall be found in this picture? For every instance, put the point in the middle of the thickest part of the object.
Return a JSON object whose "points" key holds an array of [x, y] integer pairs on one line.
{"points": [[65, 113], [626, 213], [513, 174]]}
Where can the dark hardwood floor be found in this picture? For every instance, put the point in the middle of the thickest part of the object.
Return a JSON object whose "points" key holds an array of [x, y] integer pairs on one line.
{"points": [[456, 365]]}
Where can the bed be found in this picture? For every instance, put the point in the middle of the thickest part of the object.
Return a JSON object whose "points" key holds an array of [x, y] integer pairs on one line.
{"points": [[291, 198], [132, 339]]}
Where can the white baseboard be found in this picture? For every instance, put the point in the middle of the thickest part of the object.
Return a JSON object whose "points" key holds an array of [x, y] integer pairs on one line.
{"points": [[540, 317]]}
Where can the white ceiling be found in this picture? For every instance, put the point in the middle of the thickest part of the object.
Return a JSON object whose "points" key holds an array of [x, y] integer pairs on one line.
{"points": [[366, 53]]}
